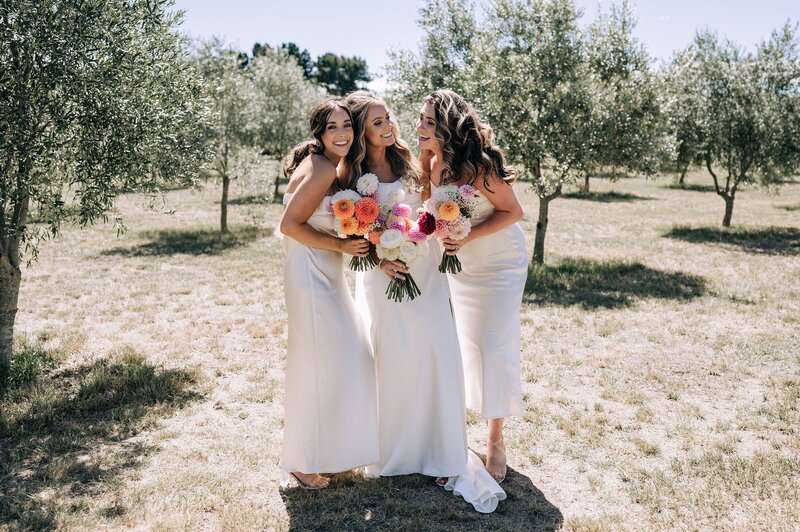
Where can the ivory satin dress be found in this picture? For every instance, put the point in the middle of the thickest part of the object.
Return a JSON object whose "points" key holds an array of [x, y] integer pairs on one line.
{"points": [[486, 296], [330, 422], [421, 408]]}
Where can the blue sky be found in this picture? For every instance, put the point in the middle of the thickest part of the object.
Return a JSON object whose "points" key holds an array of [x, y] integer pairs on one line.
{"points": [[370, 28]]}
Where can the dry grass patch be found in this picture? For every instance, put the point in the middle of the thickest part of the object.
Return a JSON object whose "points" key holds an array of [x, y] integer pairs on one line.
{"points": [[687, 345]]}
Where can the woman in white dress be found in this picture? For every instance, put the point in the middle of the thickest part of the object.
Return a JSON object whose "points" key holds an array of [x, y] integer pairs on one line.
{"points": [[457, 148], [421, 411], [330, 421]]}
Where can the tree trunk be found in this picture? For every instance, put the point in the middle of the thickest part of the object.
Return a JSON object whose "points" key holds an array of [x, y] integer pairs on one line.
{"points": [[277, 184], [726, 220], [9, 295], [541, 225], [586, 183], [226, 182], [682, 178]]}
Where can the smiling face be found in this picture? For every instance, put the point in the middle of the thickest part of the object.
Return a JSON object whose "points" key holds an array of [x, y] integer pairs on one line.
{"points": [[426, 128], [378, 126], [338, 135]]}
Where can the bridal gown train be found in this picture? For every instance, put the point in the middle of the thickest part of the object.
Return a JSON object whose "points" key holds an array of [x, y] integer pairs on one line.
{"points": [[486, 295], [421, 410], [330, 422]]}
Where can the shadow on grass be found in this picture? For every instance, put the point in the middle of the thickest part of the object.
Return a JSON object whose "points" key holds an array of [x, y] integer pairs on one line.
{"points": [[63, 430], [789, 208], [190, 242], [764, 240], [414, 502], [250, 200], [605, 197], [606, 284], [692, 187]]}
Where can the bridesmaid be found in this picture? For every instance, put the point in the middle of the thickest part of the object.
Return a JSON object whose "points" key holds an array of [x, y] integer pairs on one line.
{"points": [[421, 403], [457, 148], [330, 422]]}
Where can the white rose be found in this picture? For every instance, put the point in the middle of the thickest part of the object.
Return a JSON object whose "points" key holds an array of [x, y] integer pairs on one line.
{"points": [[392, 253], [396, 195], [408, 251], [392, 238], [348, 194]]}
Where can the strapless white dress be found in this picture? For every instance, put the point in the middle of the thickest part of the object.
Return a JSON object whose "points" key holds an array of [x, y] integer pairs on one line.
{"points": [[486, 295], [330, 421], [421, 402]]}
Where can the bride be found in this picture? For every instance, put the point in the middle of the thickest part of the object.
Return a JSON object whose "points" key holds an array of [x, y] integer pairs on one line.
{"points": [[421, 400]]}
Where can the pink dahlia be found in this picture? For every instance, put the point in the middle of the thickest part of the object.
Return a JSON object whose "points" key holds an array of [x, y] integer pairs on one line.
{"points": [[402, 210]]}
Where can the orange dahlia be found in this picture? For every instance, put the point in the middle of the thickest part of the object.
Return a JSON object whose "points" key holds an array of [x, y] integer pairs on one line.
{"points": [[375, 236], [344, 208], [349, 226], [449, 211], [363, 228], [367, 210]]}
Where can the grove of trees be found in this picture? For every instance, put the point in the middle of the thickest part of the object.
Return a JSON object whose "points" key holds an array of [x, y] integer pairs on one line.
{"points": [[566, 102], [98, 98]]}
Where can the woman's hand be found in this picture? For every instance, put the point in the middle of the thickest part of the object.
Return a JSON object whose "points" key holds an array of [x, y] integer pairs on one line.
{"points": [[394, 269], [451, 247], [357, 247]]}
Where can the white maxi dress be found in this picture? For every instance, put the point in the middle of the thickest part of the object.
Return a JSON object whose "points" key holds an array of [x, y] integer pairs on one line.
{"points": [[330, 421], [421, 408], [486, 295]]}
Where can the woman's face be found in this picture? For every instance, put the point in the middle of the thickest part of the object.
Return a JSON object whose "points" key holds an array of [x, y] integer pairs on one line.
{"points": [[378, 126], [338, 135], [426, 127]]}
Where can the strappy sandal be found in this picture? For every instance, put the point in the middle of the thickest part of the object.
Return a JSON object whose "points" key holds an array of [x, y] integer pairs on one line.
{"points": [[307, 486], [500, 446]]}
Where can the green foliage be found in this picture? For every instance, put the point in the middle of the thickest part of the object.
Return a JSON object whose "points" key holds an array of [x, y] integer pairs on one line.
{"points": [[258, 109], [339, 74], [532, 84], [627, 130], [96, 98], [30, 360], [444, 59], [738, 111]]}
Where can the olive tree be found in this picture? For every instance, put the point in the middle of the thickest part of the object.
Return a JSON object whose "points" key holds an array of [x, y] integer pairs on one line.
{"points": [[531, 81], [96, 98], [749, 111], [626, 111], [443, 60], [282, 101]]}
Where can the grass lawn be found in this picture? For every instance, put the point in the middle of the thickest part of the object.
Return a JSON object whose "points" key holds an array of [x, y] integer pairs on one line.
{"points": [[661, 374]]}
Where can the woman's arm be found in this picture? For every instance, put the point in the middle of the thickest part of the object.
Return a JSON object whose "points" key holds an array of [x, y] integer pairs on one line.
{"points": [[507, 211], [305, 200]]}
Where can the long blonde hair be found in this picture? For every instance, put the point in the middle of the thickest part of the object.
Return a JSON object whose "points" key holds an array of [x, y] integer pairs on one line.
{"points": [[467, 144], [401, 159]]}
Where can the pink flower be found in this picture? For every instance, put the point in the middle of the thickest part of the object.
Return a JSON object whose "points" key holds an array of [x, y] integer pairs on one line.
{"points": [[441, 230], [402, 210], [416, 235], [468, 191], [397, 224], [459, 228]]}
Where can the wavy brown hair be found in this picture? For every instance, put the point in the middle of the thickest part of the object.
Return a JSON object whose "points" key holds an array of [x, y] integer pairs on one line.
{"points": [[401, 159], [468, 146], [317, 123]]}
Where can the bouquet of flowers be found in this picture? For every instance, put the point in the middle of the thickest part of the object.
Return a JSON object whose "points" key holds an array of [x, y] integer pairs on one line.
{"points": [[356, 214], [398, 238], [447, 214]]}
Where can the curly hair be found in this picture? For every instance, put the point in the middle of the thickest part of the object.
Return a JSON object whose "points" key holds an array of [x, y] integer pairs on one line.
{"points": [[468, 146], [401, 159], [317, 123]]}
